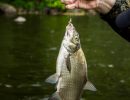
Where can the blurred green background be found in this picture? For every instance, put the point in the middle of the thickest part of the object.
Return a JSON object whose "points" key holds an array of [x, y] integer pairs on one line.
{"points": [[28, 53], [35, 4]]}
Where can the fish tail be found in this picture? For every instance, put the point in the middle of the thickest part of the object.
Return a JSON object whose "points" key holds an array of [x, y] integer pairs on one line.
{"points": [[55, 96]]}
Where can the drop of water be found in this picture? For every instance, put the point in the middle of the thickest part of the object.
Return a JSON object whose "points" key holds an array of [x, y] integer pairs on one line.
{"points": [[122, 81], [8, 85], [111, 66]]}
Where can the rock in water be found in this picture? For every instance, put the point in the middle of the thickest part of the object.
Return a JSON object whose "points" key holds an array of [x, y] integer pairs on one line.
{"points": [[7, 9], [20, 19]]}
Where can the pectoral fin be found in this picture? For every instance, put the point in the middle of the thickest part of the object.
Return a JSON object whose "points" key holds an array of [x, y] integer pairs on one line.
{"points": [[68, 64], [90, 86], [52, 79]]}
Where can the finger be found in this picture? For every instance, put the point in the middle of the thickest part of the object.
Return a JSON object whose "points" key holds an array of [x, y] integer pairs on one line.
{"points": [[68, 1], [71, 6]]}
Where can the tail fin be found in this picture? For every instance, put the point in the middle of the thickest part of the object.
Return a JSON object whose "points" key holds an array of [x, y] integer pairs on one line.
{"points": [[55, 96]]}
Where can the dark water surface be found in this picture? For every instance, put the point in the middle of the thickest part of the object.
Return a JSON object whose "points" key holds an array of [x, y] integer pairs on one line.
{"points": [[28, 55]]}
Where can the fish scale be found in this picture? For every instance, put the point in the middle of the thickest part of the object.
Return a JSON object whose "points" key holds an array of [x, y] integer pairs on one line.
{"points": [[71, 70], [72, 82]]}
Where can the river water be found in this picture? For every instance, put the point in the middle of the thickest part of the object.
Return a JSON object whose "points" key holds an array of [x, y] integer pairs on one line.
{"points": [[28, 55]]}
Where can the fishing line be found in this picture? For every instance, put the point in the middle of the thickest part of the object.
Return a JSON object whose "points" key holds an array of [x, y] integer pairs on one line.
{"points": [[70, 18]]}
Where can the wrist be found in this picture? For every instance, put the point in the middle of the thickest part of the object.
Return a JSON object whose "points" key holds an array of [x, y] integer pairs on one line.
{"points": [[104, 6]]}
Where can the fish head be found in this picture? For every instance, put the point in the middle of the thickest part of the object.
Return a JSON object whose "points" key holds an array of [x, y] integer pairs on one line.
{"points": [[71, 38]]}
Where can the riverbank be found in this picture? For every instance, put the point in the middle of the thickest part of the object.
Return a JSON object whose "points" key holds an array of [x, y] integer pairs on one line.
{"points": [[10, 10]]}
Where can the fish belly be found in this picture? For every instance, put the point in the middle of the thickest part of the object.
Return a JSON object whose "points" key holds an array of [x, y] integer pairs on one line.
{"points": [[72, 83]]}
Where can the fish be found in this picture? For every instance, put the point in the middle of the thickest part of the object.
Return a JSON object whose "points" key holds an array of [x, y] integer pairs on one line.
{"points": [[71, 76]]}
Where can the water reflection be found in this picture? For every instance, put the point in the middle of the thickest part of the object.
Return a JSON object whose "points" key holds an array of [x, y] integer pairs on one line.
{"points": [[29, 51]]}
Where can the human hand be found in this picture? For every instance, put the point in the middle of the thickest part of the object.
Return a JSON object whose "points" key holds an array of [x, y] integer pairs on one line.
{"points": [[68, 1], [84, 4]]}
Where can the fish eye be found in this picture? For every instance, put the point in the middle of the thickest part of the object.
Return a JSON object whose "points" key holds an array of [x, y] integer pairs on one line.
{"points": [[76, 38]]}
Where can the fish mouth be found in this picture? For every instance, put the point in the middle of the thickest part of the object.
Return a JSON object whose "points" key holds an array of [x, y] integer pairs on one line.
{"points": [[70, 31], [70, 27]]}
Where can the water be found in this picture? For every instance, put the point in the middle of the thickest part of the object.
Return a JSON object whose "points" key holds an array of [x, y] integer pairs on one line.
{"points": [[28, 55]]}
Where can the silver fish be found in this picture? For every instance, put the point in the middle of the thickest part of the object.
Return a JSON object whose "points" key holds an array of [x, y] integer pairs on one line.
{"points": [[71, 68]]}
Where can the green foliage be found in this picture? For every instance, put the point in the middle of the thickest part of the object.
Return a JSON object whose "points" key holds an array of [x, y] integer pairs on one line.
{"points": [[36, 4], [26, 4], [54, 3]]}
